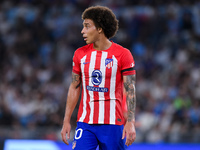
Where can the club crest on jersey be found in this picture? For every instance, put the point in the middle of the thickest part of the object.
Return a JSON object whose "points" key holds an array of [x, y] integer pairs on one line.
{"points": [[73, 144], [109, 63]]}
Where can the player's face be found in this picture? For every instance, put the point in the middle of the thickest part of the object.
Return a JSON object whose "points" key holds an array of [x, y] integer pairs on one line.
{"points": [[89, 31]]}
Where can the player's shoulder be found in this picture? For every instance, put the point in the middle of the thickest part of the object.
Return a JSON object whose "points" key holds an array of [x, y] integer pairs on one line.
{"points": [[84, 48], [121, 49], [81, 51]]}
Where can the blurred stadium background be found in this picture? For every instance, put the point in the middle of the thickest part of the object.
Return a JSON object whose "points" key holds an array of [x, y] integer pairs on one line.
{"points": [[37, 41]]}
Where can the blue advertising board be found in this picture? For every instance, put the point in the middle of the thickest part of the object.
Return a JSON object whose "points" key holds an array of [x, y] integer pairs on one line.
{"points": [[12, 144]]}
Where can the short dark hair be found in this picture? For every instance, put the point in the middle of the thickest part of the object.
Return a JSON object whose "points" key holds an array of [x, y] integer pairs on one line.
{"points": [[104, 18]]}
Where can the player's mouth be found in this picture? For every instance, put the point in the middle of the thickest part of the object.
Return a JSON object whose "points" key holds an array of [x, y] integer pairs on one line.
{"points": [[85, 38]]}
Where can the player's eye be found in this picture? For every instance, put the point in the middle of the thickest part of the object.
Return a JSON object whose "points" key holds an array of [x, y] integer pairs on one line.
{"points": [[87, 26]]}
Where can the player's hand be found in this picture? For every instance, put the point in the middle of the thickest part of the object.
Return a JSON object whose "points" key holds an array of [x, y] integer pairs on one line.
{"points": [[129, 132], [66, 130]]}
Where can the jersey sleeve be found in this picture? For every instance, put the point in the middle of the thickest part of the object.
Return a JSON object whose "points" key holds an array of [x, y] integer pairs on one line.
{"points": [[76, 64], [127, 63]]}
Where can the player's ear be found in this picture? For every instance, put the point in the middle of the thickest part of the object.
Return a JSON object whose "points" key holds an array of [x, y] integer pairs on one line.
{"points": [[100, 30]]}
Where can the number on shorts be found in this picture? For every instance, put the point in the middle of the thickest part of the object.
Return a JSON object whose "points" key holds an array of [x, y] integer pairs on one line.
{"points": [[78, 133]]}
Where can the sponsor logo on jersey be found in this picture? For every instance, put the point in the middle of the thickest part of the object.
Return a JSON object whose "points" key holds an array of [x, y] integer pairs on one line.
{"points": [[109, 63], [97, 89], [96, 77]]}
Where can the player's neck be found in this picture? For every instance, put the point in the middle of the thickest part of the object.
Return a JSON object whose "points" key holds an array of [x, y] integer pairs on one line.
{"points": [[102, 44]]}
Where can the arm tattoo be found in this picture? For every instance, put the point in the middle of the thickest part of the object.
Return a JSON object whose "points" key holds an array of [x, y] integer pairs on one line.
{"points": [[129, 84], [76, 79]]}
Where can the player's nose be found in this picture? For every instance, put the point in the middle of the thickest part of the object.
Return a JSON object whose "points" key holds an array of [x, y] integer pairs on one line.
{"points": [[82, 31]]}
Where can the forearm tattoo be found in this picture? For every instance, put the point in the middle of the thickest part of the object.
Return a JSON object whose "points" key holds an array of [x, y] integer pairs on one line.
{"points": [[76, 79], [129, 85]]}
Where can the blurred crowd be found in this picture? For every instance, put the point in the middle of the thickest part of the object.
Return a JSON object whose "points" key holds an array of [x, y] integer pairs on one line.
{"points": [[37, 42]]}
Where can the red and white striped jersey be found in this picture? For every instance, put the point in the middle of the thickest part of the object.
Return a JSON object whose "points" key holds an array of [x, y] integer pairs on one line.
{"points": [[102, 78]]}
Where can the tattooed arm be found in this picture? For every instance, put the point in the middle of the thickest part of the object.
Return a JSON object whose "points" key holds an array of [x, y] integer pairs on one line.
{"points": [[129, 128], [129, 85], [72, 99]]}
